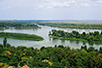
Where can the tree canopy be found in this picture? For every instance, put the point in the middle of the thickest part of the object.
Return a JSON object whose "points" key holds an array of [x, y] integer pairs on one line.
{"points": [[52, 57]]}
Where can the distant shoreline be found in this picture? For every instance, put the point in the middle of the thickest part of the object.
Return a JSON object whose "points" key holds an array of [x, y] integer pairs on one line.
{"points": [[76, 25]]}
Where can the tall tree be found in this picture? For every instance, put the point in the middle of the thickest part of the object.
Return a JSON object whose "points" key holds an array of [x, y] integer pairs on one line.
{"points": [[4, 42]]}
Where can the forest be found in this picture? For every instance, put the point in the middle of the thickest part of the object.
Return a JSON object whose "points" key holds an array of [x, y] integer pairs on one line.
{"points": [[74, 35], [17, 25], [49, 57], [72, 25], [21, 36]]}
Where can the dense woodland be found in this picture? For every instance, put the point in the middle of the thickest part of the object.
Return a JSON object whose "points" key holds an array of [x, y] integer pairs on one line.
{"points": [[21, 36], [52, 57], [91, 36], [17, 25], [73, 25]]}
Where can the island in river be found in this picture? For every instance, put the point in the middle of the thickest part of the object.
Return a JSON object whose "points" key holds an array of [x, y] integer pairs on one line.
{"points": [[21, 36], [74, 35]]}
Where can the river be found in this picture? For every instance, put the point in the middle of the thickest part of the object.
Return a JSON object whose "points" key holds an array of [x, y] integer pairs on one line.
{"points": [[49, 41]]}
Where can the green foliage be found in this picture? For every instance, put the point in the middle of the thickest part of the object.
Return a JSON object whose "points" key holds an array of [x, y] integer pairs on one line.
{"points": [[8, 45], [42, 48], [59, 57], [1, 46], [4, 42], [74, 35]]}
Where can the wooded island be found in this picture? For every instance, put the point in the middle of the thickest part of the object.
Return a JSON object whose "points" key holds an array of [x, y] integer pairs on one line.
{"points": [[74, 35]]}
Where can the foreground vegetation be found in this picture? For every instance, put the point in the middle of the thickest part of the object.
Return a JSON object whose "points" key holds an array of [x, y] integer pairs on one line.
{"points": [[21, 36], [17, 25], [74, 35], [49, 57], [73, 25]]}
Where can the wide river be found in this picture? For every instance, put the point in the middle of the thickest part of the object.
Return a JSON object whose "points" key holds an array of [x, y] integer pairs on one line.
{"points": [[49, 41]]}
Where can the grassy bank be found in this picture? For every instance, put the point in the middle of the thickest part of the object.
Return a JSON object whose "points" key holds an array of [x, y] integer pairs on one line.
{"points": [[21, 36]]}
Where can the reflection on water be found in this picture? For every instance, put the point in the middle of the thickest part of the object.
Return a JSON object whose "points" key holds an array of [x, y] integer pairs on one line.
{"points": [[49, 41], [84, 42], [77, 42], [91, 43]]}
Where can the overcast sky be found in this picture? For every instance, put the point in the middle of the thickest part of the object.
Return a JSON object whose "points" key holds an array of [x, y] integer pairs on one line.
{"points": [[51, 9]]}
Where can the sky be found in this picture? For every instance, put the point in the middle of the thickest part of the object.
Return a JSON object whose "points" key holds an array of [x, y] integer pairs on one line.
{"points": [[50, 9]]}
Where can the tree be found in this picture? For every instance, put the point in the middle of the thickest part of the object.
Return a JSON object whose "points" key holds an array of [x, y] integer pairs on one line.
{"points": [[1, 46], [53, 31], [24, 59], [96, 33], [8, 45], [91, 33], [62, 33], [91, 49], [84, 33], [49, 32], [4, 42]]}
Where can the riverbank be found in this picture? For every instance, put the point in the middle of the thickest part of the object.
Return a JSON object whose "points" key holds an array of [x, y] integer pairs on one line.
{"points": [[21, 36]]}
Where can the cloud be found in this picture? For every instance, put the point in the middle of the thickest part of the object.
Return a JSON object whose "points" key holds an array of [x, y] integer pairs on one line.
{"points": [[85, 4], [93, 0], [64, 4], [47, 0], [41, 6], [100, 1], [49, 8], [83, 0], [72, 2], [6, 8]]}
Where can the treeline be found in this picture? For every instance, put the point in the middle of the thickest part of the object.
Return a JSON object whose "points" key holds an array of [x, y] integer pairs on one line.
{"points": [[50, 57], [74, 35], [17, 25], [21, 36], [72, 25]]}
